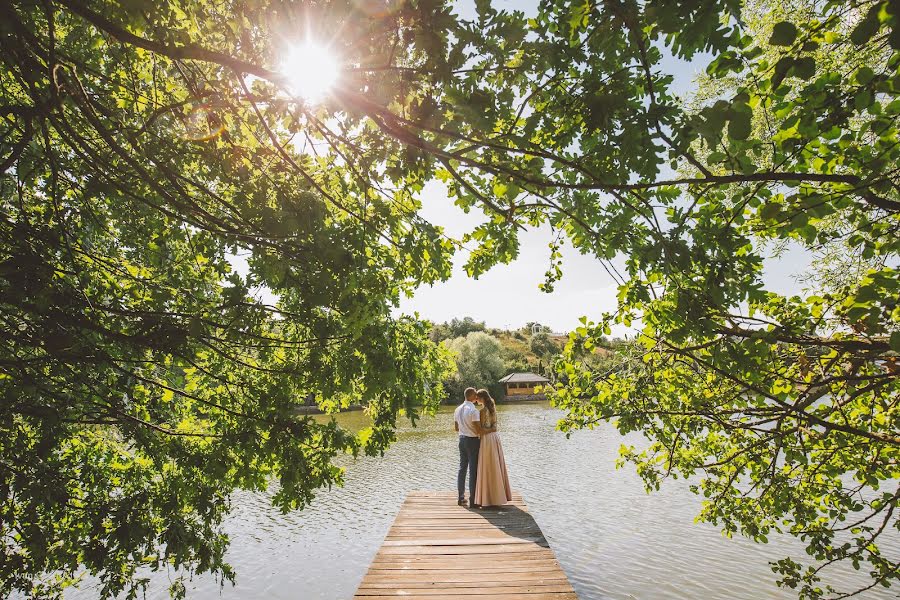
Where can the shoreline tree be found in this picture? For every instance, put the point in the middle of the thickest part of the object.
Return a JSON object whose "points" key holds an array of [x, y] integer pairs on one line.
{"points": [[144, 378], [785, 408], [479, 364]]}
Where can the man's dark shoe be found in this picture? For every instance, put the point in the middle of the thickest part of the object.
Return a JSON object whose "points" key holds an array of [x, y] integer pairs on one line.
{"points": [[473, 505], [461, 502]]}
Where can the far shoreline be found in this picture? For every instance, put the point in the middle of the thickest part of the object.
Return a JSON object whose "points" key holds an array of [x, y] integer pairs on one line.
{"points": [[315, 410]]}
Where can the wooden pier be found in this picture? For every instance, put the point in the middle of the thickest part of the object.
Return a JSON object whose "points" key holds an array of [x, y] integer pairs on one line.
{"points": [[436, 550]]}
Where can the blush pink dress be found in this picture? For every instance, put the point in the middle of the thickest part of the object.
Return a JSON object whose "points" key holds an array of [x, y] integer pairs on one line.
{"points": [[492, 482]]}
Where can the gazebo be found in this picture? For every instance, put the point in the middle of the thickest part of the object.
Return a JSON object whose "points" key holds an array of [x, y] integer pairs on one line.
{"points": [[519, 385]]}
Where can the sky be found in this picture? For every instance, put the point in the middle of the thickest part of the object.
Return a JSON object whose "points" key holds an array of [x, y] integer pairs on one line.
{"points": [[508, 296]]}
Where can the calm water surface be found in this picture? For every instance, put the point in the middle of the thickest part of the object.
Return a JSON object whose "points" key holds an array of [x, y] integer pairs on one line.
{"points": [[613, 540]]}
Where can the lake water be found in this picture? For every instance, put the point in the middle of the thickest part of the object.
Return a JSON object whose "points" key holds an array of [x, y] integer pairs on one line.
{"points": [[613, 540]]}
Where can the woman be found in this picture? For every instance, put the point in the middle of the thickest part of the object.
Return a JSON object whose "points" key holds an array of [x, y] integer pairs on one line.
{"points": [[492, 483]]}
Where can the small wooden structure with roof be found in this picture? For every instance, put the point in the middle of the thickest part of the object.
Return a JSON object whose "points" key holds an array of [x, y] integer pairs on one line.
{"points": [[522, 384]]}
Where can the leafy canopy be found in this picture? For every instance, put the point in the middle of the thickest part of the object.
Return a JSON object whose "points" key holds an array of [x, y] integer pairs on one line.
{"points": [[129, 120], [143, 377]]}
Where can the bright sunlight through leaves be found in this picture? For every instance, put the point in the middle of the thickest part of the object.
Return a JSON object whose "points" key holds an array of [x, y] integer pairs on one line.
{"points": [[311, 70]]}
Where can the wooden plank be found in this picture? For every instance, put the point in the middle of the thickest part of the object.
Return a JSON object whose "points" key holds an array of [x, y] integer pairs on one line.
{"points": [[461, 561], [412, 580], [487, 596], [467, 541], [451, 496], [459, 531], [460, 565], [462, 525], [464, 579], [437, 550], [458, 534], [480, 593], [463, 589], [479, 550], [482, 525], [495, 574], [415, 494]]}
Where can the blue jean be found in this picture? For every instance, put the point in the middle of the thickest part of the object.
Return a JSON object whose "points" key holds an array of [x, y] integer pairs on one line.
{"points": [[468, 461]]}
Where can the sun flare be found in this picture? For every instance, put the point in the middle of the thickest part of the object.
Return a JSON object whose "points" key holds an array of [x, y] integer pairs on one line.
{"points": [[311, 70]]}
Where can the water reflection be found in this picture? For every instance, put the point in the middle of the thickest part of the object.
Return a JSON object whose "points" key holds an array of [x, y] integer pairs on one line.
{"points": [[613, 540]]}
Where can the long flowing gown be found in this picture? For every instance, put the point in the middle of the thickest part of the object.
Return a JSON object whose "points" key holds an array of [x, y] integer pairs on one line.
{"points": [[492, 482]]}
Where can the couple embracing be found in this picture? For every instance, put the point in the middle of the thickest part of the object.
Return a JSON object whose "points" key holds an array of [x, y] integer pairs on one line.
{"points": [[480, 452]]}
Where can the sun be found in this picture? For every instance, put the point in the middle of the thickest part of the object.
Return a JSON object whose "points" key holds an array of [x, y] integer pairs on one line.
{"points": [[310, 70]]}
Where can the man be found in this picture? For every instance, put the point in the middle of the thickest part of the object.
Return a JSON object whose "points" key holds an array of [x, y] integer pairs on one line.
{"points": [[467, 422]]}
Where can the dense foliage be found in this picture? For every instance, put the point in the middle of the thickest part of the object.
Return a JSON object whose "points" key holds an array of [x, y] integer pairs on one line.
{"points": [[478, 364], [143, 377], [544, 346], [456, 328], [139, 152], [483, 355], [783, 409]]}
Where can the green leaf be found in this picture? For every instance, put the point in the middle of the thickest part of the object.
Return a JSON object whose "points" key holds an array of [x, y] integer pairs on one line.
{"points": [[862, 99], [740, 126], [805, 68], [770, 210], [895, 341], [782, 67], [864, 75], [783, 34], [483, 8], [866, 28]]}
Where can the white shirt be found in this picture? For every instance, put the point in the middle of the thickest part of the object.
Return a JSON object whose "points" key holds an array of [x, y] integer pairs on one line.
{"points": [[465, 415]]}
